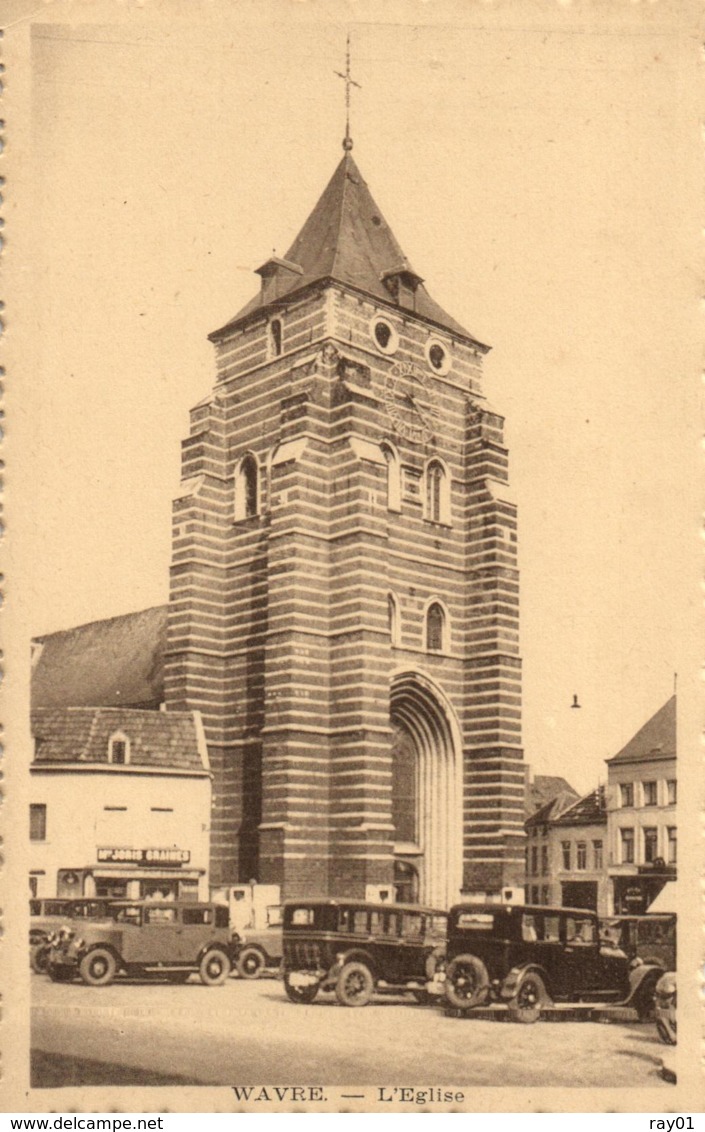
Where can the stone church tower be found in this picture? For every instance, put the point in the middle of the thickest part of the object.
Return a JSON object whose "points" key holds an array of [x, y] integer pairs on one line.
{"points": [[344, 587]]}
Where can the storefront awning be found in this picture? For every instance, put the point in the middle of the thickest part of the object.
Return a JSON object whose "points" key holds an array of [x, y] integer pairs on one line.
{"points": [[666, 899]]}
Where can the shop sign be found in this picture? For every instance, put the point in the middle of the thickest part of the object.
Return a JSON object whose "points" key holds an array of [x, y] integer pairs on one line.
{"points": [[144, 856]]}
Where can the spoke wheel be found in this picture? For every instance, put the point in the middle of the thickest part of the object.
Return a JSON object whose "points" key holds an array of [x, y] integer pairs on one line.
{"points": [[214, 968], [250, 963], [39, 958], [530, 996], [467, 982], [355, 985], [98, 967], [299, 994]]}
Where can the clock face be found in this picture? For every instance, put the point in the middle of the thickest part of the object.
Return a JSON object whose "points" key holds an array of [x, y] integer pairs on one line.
{"points": [[409, 402]]}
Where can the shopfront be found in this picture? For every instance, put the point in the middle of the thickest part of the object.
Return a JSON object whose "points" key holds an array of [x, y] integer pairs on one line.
{"points": [[149, 873]]}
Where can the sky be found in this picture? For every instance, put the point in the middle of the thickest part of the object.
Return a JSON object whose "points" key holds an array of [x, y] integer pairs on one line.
{"points": [[538, 165]]}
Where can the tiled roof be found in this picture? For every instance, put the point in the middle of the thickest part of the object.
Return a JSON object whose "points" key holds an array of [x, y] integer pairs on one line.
{"points": [[657, 738], [347, 239], [114, 663], [589, 810], [170, 740], [551, 809], [545, 788]]}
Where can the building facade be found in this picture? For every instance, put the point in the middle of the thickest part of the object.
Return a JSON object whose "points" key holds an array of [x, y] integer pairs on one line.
{"points": [[344, 586], [137, 786], [642, 828]]}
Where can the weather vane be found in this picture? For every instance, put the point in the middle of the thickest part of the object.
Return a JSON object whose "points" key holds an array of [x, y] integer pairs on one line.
{"points": [[347, 141]]}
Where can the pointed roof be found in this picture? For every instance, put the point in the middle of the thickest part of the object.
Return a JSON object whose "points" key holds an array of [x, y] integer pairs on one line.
{"points": [[655, 740], [118, 662], [550, 810], [588, 810], [346, 239]]}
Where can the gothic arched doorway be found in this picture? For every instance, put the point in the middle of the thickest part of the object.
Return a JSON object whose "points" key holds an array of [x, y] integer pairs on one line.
{"points": [[427, 792]]}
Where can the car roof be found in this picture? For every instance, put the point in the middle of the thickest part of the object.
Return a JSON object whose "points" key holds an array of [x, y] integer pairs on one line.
{"points": [[165, 903], [531, 908], [363, 905]]}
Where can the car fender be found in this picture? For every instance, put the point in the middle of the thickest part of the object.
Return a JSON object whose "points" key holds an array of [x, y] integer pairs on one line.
{"points": [[93, 945], [214, 945], [352, 955], [511, 980], [640, 974]]}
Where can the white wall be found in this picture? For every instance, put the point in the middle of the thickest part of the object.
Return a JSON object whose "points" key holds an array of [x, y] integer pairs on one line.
{"points": [[78, 823]]}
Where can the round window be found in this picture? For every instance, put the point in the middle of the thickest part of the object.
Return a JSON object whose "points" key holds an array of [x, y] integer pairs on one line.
{"points": [[385, 336], [438, 356]]}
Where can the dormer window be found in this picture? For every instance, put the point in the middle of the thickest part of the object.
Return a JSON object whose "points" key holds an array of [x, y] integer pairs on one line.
{"points": [[119, 749], [275, 337], [402, 284]]}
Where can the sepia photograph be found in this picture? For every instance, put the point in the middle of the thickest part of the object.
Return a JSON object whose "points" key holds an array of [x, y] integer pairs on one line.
{"points": [[352, 603]]}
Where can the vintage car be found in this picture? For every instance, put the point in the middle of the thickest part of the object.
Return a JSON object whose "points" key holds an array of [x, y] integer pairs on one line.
{"points": [[262, 947], [651, 937], [142, 937], [356, 948], [665, 1008], [530, 956], [48, 915]]}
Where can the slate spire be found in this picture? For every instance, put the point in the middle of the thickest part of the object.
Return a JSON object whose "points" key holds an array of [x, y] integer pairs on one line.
{"points": [[347, 240]]}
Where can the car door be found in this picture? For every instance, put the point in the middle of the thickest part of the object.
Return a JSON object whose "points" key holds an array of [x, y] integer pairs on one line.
{"points": [[582, 966], [160, 937]]}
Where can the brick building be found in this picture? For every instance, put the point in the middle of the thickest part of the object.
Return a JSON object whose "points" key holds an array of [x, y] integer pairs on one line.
{"points": [[344, 587]]}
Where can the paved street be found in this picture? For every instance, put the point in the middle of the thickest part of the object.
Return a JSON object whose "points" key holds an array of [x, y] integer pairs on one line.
{"points": [[248, 1032]]}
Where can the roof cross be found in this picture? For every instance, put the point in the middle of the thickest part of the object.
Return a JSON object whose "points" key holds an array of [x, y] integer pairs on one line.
{"points": [[347, 141]]}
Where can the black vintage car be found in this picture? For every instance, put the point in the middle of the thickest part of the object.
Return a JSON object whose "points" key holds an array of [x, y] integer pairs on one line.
{"points": [[356, 948], [531, 956], [651, 937]]}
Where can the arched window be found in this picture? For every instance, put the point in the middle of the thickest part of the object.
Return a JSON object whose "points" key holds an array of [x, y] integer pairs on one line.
{"points": [[437, 493], [435, 628], [246, 485], [119, 749], [393, 478], [393, 619], [275, 337]]}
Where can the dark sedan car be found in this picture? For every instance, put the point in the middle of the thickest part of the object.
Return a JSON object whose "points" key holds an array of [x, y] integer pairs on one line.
{"points": [[531, 956], [357, 948]]}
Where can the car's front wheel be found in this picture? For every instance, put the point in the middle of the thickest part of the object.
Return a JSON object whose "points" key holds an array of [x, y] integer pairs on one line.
{"points": [[299, 992], [251, 962], [530, 996], [39, 958], [214, 968], [467, 982], [355, 985], [98, 967]]}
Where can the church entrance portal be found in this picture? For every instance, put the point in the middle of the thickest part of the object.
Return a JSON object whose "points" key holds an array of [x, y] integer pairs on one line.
{"points": [[427, 793]]}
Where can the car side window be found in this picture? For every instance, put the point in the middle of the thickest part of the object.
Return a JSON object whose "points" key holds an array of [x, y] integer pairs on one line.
{"points": [[129, 916], [551, 929], [302, 917], [222, 917], [412, 926], [197, 915], [159, 915], [529, 933], [359, 924], [579, 931], [35, 908]]}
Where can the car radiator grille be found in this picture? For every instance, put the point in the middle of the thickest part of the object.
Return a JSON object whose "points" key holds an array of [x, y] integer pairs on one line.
{"points": [[303, 954]]}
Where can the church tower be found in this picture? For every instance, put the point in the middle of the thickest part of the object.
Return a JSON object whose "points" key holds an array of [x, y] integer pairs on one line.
{"points": [[344, 585]]}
